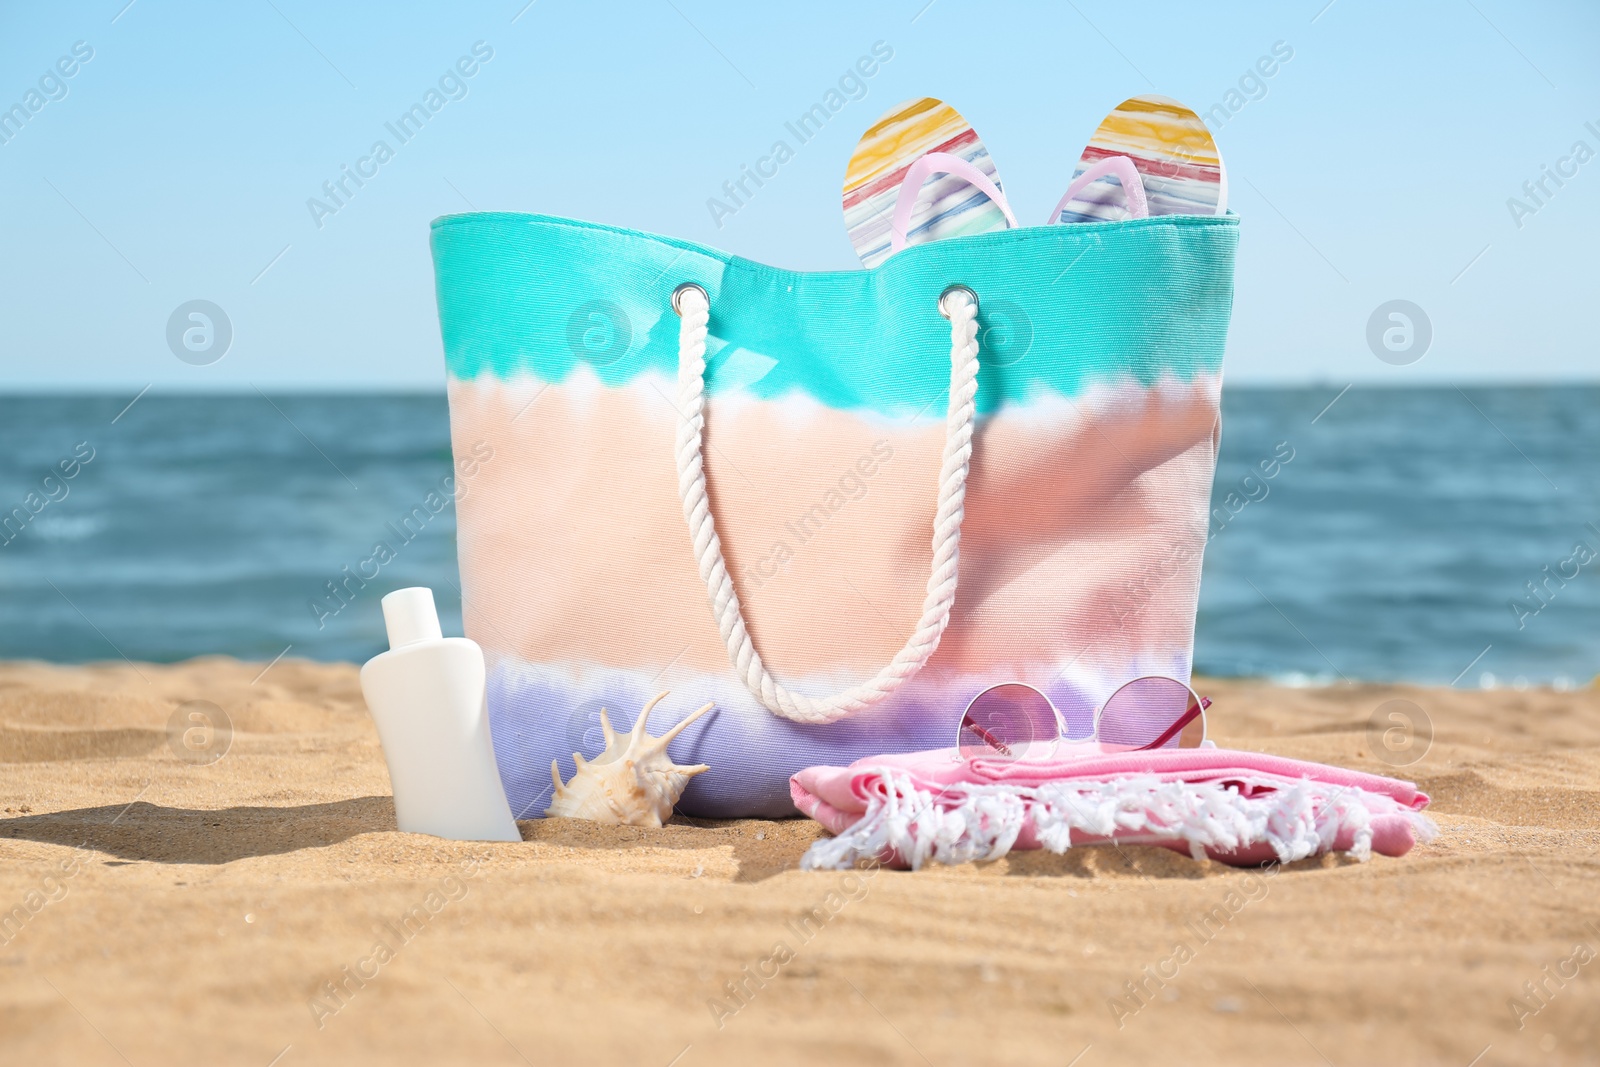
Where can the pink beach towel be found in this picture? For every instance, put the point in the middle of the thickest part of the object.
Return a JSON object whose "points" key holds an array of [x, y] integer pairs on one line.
{"points": [[1241, 808]]}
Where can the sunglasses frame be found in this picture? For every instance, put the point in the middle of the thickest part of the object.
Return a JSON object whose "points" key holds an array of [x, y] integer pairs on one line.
{"points": [[989, 739], [1195, 709]]}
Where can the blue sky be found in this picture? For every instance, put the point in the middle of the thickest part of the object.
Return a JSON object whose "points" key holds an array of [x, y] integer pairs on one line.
{"points": [[177, 162]]}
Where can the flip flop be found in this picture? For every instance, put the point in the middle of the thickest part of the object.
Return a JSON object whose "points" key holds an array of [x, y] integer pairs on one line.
{"points": [[920, 174], [1172, 151]]}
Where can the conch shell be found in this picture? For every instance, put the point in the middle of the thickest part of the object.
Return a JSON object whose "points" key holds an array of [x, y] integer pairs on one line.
{"points": [[633, 783]]}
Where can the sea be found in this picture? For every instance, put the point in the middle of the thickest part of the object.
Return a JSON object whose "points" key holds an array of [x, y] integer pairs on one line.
{"points": [[1446, 536]]}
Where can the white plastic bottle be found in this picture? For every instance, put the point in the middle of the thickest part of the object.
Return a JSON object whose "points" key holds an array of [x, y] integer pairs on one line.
{"points": [[426, 695]]}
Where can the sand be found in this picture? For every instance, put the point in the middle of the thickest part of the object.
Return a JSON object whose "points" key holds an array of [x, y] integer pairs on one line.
{"points": [[168, 912]]}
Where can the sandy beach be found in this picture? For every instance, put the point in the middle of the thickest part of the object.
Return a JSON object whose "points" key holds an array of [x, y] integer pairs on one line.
{"points": [[166, 912]]}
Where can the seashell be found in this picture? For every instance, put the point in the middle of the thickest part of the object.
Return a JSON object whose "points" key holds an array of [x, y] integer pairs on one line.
{"points": [[632, 783]]}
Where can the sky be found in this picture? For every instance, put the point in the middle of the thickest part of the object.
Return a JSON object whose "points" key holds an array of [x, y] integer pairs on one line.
{"points": [[176, 162]]}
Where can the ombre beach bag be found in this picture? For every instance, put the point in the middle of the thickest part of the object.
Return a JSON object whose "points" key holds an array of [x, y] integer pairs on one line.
{"points": [[837, 505]]}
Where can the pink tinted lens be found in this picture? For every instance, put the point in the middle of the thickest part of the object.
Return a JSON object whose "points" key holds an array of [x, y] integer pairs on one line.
{"points": [[1146, 710], [1007, 722]]}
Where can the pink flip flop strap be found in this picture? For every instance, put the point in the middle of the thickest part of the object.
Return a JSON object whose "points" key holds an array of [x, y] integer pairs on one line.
{"points": [[1124, 170], [940, 163]]}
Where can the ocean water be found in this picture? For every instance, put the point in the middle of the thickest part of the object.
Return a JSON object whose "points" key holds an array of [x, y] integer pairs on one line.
{"points": [[1395, 538]]}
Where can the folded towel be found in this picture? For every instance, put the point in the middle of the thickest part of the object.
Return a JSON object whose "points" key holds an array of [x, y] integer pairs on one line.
{"points": [[1241, 808]]}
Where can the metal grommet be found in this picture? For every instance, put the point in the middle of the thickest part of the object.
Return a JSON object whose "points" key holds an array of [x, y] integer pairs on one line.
{"points": [[677, 296], [944, 308]]}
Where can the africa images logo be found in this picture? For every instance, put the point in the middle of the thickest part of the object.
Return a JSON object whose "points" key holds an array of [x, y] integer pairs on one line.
{"points": [[337, 192]]}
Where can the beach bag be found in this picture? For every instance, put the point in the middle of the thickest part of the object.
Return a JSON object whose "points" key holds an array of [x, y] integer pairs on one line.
{"points": [[838, 505]]}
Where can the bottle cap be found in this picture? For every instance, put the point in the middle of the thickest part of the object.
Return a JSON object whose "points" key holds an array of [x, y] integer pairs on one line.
{"points": [[410, 616]]}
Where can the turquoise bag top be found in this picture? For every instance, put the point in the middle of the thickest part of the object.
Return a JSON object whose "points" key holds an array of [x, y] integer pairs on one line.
{"points": [[1061, 309]]}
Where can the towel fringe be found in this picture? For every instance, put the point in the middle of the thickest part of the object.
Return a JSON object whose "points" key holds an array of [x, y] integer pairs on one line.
{"points": [[963, 823]]}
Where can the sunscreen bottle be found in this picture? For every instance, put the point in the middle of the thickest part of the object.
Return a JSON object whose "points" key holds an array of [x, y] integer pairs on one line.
{"points": [[426, 695]]}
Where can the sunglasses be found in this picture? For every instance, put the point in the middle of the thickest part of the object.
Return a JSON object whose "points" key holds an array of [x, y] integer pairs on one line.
{"points": [[1014, 720]]}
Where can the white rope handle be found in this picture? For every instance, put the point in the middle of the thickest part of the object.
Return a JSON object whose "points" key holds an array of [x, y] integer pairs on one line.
{"points": [[960, 305]]}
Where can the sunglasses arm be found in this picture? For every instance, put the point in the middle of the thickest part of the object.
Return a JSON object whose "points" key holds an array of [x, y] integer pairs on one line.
{"points": [[1184, 720]]}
